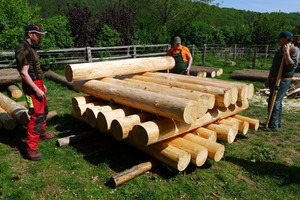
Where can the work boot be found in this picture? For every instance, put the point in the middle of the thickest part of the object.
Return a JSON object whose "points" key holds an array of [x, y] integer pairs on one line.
{"points": [[34, 155], [269, 129], [46, 136]]}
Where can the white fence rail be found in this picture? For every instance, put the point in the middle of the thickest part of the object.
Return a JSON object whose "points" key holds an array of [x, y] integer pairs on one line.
{"points": [[94, 54]]}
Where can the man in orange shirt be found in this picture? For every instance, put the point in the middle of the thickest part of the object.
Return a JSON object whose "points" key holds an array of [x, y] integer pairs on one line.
{"points": [[182, 56]]}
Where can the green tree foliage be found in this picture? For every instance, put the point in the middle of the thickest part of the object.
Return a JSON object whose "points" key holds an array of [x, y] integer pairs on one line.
{"points": [[14, 15], [59, 34], [240, 34], [108, 37]]}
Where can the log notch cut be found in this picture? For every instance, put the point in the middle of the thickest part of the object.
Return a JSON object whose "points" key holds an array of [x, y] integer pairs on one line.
{"points": [[51, 75], [206, 101], [14, 109], [205, 133], [87, 71], [120, 128], [9, 76], [215, 150], [105, 118], [253, 123], [243, 125], [131, 173], [7, 121], [15, 91], [196, 80], [92, 113], [83, 100], [80, 109], [224, 132], [158, 130], [164, 105], [198, 153], [222, 96]]}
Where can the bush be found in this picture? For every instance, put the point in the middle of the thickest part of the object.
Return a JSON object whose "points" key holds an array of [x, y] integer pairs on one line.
{"points": [[108, 37]]}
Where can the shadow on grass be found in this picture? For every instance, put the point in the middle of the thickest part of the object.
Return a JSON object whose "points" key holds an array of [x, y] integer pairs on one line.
{"points": [[288, 174], [99, 148]]}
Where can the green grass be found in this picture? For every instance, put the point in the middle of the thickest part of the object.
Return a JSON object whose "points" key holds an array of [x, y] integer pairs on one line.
{"points": [[256, 166]]}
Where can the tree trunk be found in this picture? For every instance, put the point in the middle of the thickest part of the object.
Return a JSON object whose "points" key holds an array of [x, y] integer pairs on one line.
{"points": [[215, 150], [83, 100], [164, 105], [14, 91], [224, 132], [9, 76], [87, 71], [158, 130], [80, 109], [58, 79], [205, 133]]}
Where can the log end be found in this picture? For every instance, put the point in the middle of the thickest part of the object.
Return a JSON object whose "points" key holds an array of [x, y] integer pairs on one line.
{"points": [[102, 124], [145, 134], [117, 130], [183, 161], [201, 157], [69, 73], [219, 153]]}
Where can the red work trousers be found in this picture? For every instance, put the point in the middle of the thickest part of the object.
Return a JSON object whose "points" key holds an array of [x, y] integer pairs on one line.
{"points": [[38, 110]]}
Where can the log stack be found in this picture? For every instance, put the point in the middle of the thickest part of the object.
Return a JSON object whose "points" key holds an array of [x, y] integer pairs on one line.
{"points": [[176, 119], [201, 71]]}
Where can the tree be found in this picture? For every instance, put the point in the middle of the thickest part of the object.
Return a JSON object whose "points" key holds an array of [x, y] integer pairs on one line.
{"points": [[108, 37]]}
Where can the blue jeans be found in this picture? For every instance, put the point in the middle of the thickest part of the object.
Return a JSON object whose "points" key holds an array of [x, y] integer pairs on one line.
{"points": [[275, 120]]}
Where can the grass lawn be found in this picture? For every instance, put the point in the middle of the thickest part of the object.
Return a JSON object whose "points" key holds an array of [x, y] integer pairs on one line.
{"points": [[256, 166]]}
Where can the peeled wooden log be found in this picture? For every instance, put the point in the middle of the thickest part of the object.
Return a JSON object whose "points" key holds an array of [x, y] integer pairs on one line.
{"points": [[196, 80], [131, 173], [7, 121], [164, 105], [250, 74], [81, 118], [222, 96], [233, 124], [243, 125], [211, 71], [92, 113], [15, 91], [14, 109], [105, 118], [9, 76], [250, 90], [73, 138], [51, 75], [161, 129], [121, 127], [83, 100], [205, 133], [215, 150], [224, 132], [198, 74], [80, 109], [87, 71], [253, 123], [198, 153], [206, 101]]}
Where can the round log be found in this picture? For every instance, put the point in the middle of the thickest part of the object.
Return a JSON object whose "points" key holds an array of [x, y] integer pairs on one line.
{"points": [[121, 127], [87, 71], [51, 75], [233, 124], [198, 153], [222, 96], [164, 105], [157, 130], [80, 109], [224, 132], [215, 150], [9, 76], [243, 125], [83, 100], [15, 91], [253, 123], [205, 133]]}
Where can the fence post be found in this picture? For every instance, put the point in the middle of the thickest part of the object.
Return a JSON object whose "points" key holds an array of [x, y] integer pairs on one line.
{"points": [[128, 51], [267, 51], [193, 50], [89, 54], [235, 51], [254, 58], [204, 54], [134, 51]]}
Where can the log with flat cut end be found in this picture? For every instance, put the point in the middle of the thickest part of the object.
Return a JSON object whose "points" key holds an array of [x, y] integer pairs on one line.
{"points": [[205, 133], [161, 129], [9, 76], [15, 91], [83, 100], [210, 71], [243, 125], [215, 150], [205, 100], [14, 109], [121, 127], [198, 152], [51, 75], [87, 71], [224, 132], [253, 123], [196, 80], [80, 109], [160, 104], [222, 96], [7, 121], [131, 173], [233, 124]]}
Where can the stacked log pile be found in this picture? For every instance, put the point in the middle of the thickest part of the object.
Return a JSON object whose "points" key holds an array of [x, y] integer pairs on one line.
{"points": [[201, 71], [176, 119]]}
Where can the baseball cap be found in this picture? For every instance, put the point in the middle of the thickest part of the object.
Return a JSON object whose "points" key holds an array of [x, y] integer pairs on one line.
{"points": [[177, 39], [34, 28], [284, 34]]}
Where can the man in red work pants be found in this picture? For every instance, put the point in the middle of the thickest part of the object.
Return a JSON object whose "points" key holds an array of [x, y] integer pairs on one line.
{"points": [[35, 91]]}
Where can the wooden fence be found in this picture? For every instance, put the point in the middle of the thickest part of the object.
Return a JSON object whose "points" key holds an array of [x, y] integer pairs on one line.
{"points": [[94, 54]]}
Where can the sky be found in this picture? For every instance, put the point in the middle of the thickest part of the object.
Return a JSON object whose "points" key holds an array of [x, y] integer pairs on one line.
{"points": [[285, 6]]}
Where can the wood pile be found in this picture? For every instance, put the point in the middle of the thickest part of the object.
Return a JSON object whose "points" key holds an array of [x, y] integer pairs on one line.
{"points": [[174, 118], [205, 71]]}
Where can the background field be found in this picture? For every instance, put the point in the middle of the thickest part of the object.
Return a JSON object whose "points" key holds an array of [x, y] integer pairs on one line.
{"points": [[258, 166]]}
